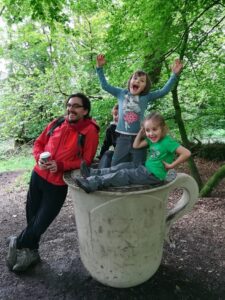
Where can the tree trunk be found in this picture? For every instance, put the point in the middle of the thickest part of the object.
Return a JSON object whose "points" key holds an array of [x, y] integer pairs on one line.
{"points": [[182, 130], [212, 182]]}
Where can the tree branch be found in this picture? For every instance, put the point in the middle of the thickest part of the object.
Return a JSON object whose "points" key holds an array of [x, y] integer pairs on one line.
{"points": [[95, 97], [167, 54], [207, 34], [2, 10]]}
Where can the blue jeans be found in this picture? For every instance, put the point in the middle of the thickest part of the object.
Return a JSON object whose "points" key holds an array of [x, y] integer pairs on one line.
{"points": [[106, 159], [120, 175], [124, 151], [44, 202]]}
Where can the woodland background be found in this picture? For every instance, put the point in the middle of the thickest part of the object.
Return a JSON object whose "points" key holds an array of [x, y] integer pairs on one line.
{"points": [[48, 50]]}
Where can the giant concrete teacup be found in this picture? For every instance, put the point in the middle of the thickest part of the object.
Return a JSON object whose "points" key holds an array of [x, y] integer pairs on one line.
{"points": [[121, 231]]}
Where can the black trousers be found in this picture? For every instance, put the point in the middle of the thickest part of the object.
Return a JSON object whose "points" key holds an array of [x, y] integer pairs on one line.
{"points": [[44, 202]]}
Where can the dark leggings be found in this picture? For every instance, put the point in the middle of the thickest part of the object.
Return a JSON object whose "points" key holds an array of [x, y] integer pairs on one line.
{"points": [[124, 151], [44, 201]]}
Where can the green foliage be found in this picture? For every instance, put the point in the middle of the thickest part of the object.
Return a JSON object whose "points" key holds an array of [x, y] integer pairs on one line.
{"points": [[102, 113], [54, 56], [17, 163], [16, 159], [213, 182], [49, 11], [215, 151]]}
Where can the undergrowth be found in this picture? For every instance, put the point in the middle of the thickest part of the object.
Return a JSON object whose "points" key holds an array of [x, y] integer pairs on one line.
{"points": [[17, 159]]}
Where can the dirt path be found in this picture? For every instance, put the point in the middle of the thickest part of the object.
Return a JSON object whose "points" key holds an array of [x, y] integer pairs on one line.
{"points": [[192, 268]]}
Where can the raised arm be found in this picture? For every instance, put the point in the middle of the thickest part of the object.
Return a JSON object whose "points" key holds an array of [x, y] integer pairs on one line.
{"points": [[176, 69], [177, 66], [100, 62], [139, 141]]}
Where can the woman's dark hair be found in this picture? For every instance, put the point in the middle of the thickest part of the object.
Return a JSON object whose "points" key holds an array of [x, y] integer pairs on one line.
{"points": [[85, 102], [148, 81]]}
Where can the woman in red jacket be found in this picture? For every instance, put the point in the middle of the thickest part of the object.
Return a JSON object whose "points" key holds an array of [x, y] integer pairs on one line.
{"points": [[47, 189]]}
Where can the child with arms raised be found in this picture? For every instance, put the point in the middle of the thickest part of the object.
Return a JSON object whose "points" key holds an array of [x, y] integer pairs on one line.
{"points": [[164, 154], [132, 105]]}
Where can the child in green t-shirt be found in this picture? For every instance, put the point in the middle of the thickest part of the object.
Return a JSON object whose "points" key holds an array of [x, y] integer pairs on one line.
{"points": [[163, 150]]}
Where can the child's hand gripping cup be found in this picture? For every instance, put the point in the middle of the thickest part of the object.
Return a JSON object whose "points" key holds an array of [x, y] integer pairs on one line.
{"points": [[45, 156]]}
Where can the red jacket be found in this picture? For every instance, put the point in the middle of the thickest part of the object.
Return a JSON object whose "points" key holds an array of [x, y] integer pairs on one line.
{"points": [[64, 148]]}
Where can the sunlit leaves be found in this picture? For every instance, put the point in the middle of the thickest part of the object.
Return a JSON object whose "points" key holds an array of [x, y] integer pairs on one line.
{"points": [[52, 50], [45, 10]]}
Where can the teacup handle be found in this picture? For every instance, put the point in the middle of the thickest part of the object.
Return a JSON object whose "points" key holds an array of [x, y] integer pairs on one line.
{"points": [[187, 200]]}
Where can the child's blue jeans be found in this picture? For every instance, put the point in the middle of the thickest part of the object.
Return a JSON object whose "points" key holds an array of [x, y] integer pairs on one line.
{"points": [[121, 175]]}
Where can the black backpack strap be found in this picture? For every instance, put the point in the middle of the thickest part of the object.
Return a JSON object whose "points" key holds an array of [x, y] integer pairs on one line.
{"points": [[81, 136], [80, 142], [56, 124]]}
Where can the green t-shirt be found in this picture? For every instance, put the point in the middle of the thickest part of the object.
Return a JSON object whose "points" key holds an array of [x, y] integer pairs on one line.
{"points": [[163, 150]]}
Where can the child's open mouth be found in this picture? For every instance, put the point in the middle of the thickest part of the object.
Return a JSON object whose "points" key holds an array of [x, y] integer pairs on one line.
{"points": [[153, 138], [135, 87]]}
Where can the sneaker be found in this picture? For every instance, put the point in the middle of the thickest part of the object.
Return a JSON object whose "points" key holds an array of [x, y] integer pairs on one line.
{"points": [[84, 170], [84, 184], [171, 175], [12, 253], [26, 258]]}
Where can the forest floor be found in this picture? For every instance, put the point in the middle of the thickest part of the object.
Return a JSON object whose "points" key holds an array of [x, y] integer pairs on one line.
{"points": [[193, 266]]}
